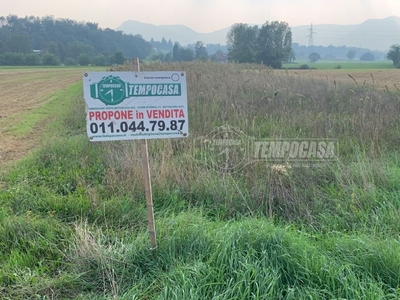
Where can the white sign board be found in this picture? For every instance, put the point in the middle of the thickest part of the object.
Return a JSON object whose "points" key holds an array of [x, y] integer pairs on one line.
{"points": [[135, 105]]}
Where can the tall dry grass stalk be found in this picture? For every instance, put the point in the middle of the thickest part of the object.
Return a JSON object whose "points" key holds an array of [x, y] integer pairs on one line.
{"points": [[89, 252], [262, 103]]}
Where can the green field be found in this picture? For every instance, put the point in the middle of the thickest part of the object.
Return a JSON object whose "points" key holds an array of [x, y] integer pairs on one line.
{"points": [[343, 64], [73, 222]]}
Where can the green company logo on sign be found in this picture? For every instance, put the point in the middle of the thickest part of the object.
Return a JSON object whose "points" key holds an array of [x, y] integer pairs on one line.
{"points": [[111, 90]]}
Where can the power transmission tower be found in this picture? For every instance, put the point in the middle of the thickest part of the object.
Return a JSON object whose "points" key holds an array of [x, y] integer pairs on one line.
{"points": [[310, 36]]}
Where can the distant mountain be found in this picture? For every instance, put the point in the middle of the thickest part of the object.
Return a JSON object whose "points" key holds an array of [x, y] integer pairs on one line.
{"points": [[374, 34], [176, 33]]}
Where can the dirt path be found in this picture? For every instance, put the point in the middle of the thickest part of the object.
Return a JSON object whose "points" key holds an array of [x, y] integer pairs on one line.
{"points": [[23, 90]]}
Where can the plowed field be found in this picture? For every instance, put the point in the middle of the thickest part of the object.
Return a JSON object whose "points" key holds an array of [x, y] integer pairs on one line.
{"points": [[23, 90]]}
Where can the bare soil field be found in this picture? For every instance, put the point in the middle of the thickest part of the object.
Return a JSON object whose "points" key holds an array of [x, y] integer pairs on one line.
{"points": [[23, 90]]}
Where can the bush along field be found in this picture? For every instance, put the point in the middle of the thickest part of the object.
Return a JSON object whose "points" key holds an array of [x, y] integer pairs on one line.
{"points": [[73, 222]]}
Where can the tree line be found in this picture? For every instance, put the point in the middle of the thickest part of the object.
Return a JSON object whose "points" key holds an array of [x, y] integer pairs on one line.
{"points": [[197, 51], [48, 41], [269, 44], [65, 41], [334, 52]]}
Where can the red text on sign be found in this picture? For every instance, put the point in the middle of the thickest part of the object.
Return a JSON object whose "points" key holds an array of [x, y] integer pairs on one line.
{"points": [[110, 114], [165, 113]]}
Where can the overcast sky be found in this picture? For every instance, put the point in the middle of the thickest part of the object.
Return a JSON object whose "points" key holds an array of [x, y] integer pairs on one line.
{"points": [[205, 15]]}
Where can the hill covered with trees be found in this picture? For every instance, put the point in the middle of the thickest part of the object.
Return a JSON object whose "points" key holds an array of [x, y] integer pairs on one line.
{"points": [[33, 41]]}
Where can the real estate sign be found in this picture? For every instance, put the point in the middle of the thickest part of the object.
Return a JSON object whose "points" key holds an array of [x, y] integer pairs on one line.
{"points": [[135, 105]]}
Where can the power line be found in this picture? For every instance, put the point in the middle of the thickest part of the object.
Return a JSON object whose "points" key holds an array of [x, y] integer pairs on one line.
{"points": [[310, 36]]}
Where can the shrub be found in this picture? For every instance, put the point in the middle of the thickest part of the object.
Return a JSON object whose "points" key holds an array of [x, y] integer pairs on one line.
{"points": [[100, 60], [304, 67], [368, 56], [84, 59], [69, 62], [50, 60], [12, 59], [32, 59]]}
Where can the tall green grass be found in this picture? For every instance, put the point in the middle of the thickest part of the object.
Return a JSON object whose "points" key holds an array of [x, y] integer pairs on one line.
{"points": [[73, 215]]}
